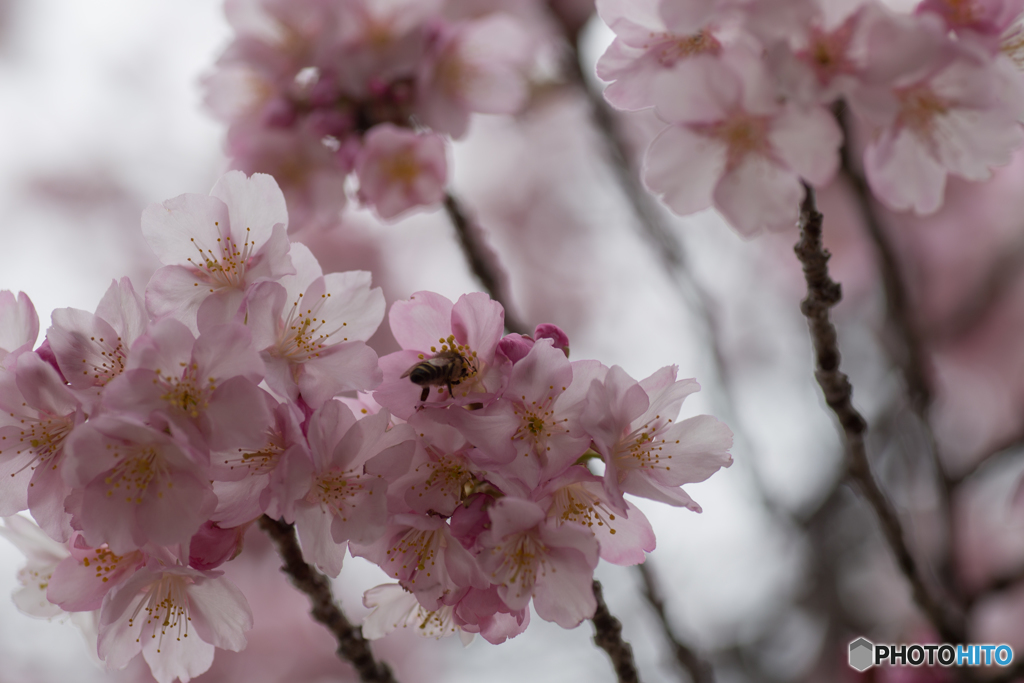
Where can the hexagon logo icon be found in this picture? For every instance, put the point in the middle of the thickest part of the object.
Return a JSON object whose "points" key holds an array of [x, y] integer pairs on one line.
{"points": [[862, 654]]}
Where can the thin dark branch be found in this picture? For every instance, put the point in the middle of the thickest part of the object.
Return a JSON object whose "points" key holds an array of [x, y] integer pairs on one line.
{"points": [[352, 647], [822, 294], [700, 670], [482, 260], [667, 248], [608, 637]]}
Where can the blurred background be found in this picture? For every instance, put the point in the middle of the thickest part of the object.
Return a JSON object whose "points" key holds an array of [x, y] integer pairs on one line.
{"points": [[102, 113]]}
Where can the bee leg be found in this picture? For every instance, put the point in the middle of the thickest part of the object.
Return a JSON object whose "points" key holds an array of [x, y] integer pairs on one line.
{"points": [[425, 394], [451, 394]]}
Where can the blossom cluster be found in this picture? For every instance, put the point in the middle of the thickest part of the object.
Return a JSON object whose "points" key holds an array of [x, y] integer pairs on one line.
{"points": [[483, 472], [315, 91], [749, 93]]}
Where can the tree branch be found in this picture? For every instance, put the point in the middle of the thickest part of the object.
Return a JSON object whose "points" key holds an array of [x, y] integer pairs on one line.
{"points": [[822, 294], [482, 260], [608, 637], [352, 647], [700, 670]]}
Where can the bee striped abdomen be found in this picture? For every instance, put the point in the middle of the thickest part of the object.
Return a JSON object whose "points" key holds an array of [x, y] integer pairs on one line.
{"points": [[445, 369]]}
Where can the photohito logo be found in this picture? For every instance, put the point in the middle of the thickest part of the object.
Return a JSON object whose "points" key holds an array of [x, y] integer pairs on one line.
{"points": [[864, 654]]}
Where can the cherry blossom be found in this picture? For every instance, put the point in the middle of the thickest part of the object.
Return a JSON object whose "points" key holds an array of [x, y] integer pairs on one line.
{"points": [[528, 557], [92, 349], [157, 609], [42, 555], [310, 329], [38, 414], [645, 450], [399, 170], [217, 245], [348, 496], [428, 324], [733, 146], [137, 485]]}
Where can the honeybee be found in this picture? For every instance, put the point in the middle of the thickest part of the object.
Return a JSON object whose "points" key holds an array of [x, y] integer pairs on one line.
{"points": [[447, 368]]}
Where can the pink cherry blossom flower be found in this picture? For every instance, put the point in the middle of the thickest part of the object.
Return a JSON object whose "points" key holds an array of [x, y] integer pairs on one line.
{"points": [[733, 146], [534, 429], [393, 606], [428, 324], [216, 245], [817, 51], [646, 451], [440, 470], [19, 323], [427, 560], [983, 20], [484, 612], [92, 349], [268, 480], [175, 616], [138, 485], [579, 497], [960, 118], [82, 579], [530, 556], [207, 386], [37, 413], [399, 170], [473, 66], [311, 329], [652, 38], [42, 555], [353, 462]]}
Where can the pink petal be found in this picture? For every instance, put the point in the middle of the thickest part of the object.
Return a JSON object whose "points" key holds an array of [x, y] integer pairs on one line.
{"points": [[759, 195], [683, 168], [255, 205]]}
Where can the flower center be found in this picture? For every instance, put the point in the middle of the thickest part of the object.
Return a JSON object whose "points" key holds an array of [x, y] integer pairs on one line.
{"points": [[671, 49], [44, 437], [261, 461], [574, 503], [920, 107], [401, 167], [642, 449], [112, 361], [303, 334], [133, 475], [526, 555], [448, 475], [106, 562], [166, 609], [416, 551], [335, 490], [226, 268], [742, 134], [187, 393], [827, 52]]}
